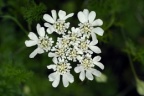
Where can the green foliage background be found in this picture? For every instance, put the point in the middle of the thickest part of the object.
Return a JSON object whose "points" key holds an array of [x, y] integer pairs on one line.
{"points": [[122, 48]]}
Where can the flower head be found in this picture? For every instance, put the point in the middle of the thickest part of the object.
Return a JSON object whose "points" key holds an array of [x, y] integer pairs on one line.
{"points": [[43, 42], [57, 24], [58, 51], [88, 23], [74, 36], [73, 45], [87, 46], [61, 68], [86, 67]]}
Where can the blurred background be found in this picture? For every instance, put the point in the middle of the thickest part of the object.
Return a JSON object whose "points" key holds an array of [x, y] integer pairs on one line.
{"points": [[122, 48]]}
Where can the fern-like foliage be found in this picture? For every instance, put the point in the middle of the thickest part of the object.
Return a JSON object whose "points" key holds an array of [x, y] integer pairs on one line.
{"points": [[33, 12]]}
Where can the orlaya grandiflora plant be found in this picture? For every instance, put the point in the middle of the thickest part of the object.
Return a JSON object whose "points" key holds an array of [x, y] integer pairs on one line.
{"points": [[74, 45]]}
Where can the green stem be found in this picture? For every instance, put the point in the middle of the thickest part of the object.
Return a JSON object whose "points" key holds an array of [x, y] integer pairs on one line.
{"points": [[132, 67], [129, 56], [29, 27], [17, 22]]}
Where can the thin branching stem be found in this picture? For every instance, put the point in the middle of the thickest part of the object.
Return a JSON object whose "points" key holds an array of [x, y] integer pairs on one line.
{"points": [[132, 66], [16, 21], [129, 56]]}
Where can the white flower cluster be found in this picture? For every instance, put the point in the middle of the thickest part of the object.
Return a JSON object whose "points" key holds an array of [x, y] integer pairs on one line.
{"points": [[76, 45]]}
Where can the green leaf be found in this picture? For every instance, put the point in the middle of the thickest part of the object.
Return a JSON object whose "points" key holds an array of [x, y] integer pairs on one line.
{"points": [[33, 14]]}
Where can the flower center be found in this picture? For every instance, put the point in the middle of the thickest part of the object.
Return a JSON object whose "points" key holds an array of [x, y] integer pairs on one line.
{"points": [[73, 53], [65, 41], [74, 37], [62, 68], [44, 43], [60, 27], [87, 63], [83, 45], [86, 28], [60, 52]]}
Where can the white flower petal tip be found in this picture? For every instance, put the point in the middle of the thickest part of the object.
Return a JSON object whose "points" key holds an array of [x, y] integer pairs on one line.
{"points": [[54, 15], [38, 27], [97, 22], [33, 54], [56, 81], [96, 58], [89, 75], [49, 31], [82, 76], [48, 18], [82, 17], [42, 32], [95, 49], [68, 16], [99, 31], [32, 36], [92, 16], [30, 43]]}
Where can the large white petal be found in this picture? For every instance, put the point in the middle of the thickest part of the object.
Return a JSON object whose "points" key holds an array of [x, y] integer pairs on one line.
{"points": [[91, 16], [52, 76], [61, 14], [99, 65], [54, 15], [52, 66], [47, 25], [86, 12], [40, 51], [82, 75], [50, 28], [30, 43], [96, 58], [50, 54], [94, 39], [96, 72], [32, 36], [97, 22], [89, 75], [49, 31], [68, 16], [70, 77], [48, 18], [38, 27], [56, 81], [82, 18], [42, 32], [95, 49], [55, 60], [77, 69], [98, 31], [65, 81], [34, 53]]}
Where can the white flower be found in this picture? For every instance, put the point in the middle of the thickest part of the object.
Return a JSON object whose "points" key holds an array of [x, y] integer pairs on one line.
{"points": [[73, 54], [61, 68], [88, 23], [74, 35], [85, 46], [64, 41], [86, 68], [43, 42], [58, 51], [58, 25]]}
